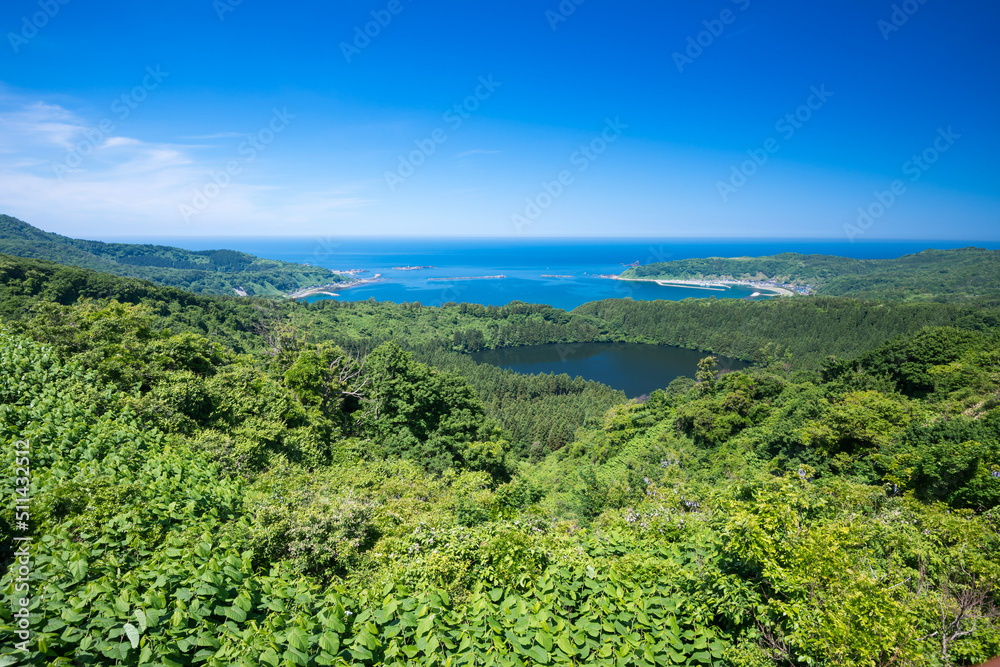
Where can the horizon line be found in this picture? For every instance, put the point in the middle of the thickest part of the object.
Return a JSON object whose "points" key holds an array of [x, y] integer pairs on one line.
{"points": [[554, 238]]}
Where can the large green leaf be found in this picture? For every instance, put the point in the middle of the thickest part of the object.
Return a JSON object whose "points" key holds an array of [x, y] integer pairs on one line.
{"points": [[330, 643], [133, 634], [538, 654], [78, 568]]}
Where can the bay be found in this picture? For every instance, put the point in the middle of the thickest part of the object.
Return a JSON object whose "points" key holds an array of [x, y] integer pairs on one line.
{"points": [[558, 272]]}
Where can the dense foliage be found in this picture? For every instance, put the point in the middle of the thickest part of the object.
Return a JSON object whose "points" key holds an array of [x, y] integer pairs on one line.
{"points": [[220, 481], [932, 275], [207, 271], [541, 413], [809, 329]]}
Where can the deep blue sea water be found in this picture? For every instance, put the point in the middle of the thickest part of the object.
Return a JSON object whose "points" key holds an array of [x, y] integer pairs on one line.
{"points": [[525, 263]]}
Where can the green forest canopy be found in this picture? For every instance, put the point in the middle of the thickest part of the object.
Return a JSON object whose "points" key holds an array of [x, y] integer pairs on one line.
{"points": [[540, 412], [226, 481]]}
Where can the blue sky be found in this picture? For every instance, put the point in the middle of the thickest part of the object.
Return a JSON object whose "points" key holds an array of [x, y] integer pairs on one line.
{"points": [[713, 118]]}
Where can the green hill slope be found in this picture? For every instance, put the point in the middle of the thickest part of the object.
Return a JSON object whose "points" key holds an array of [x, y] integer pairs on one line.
{"points": [[294, 505], [204, 271]]}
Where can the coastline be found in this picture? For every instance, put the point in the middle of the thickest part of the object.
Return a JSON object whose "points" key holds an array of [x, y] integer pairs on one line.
{"points": [[712, 287], [327, 290], [715, 285], [760, 288]]}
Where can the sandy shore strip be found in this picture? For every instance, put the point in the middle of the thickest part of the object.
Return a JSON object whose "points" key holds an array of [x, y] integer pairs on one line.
{"points": [[774, 289], [312, 291], [714, 285], [377, 278], [327, 290], [679, 283]]}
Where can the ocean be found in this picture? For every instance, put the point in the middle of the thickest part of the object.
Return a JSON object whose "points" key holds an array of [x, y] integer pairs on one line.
{"points": [[559, 272]]}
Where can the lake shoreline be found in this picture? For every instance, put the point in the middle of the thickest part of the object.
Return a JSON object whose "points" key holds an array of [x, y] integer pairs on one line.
{"points": [[636, 369]]}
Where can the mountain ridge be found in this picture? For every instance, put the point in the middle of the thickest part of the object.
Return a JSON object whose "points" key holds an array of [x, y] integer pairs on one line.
{"points": [[219, 271]]}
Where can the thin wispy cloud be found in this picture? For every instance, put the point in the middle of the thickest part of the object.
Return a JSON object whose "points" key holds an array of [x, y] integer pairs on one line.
{"points": [[41, 124], [217, 135], [61, 166], [476, 151], [114, 142]]}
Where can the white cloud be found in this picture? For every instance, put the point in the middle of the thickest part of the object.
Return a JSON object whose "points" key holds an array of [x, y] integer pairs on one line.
{"points": [[476, 151], [76, 176], [112, 142], [39, 123], [216, 135]]}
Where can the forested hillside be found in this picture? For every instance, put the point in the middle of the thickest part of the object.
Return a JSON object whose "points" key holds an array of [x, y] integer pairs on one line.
{"points": [[224, 481], [206, 271], [810, 329], [932, 275], [540, 413]]}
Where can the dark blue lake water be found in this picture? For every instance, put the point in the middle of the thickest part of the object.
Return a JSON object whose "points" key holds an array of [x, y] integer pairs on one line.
{"points": [[559, 272], [634, 368]]}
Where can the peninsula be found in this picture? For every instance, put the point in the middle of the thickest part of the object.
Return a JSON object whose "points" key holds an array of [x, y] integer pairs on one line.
{"points": [[222, 272], [932, 275]]}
